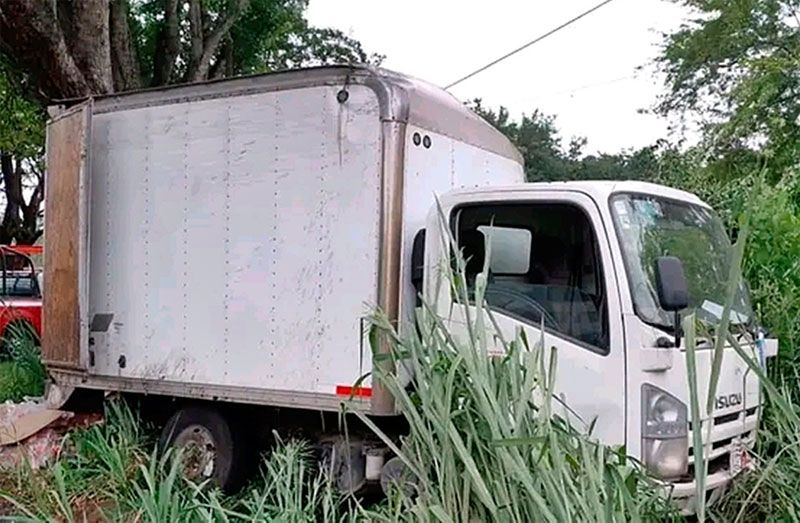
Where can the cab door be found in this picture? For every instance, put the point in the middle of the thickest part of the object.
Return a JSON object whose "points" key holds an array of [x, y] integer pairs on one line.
{"points": [[549, 263]]}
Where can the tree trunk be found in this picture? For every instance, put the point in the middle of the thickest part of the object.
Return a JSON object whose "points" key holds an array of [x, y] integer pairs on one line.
{"points": [[20, 219], [124, 61], [85, 27], [13, 191], [30, 33], [168, 44], [223, 66], [196, 38]]}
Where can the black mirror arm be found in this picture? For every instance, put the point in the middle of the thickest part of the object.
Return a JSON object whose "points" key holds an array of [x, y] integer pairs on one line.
{"points": [[678, 329]]}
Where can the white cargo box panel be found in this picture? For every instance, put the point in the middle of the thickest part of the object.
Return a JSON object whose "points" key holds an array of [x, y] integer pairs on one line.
{"points": [[434, 165], [235, 241]]}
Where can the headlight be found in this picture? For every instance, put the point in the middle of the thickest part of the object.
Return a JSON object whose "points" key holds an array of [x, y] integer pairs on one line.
{"points": [[665, 433]]}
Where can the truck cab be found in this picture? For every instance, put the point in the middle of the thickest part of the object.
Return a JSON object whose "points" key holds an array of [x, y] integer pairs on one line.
{"points": [[574, 264]]}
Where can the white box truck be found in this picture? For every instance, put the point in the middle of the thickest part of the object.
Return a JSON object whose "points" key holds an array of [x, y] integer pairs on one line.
{"points": [[220, 244]]}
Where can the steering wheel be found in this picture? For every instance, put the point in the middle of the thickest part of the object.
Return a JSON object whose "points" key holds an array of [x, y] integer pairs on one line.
{"points": [[519, 304]]}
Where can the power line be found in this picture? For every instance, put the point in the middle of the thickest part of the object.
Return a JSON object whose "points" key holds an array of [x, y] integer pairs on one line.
{"points": [[525, 46], [574, 90]]}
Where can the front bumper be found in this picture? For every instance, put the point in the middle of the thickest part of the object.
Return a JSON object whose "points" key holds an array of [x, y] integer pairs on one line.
{"points": [[684, 495]]}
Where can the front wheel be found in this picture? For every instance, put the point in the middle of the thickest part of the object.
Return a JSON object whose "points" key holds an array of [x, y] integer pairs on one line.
{"points": [[208, 449]]}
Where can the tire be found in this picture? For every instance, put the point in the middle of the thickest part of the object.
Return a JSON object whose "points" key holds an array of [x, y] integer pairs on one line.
{"points": [[210, 450]]}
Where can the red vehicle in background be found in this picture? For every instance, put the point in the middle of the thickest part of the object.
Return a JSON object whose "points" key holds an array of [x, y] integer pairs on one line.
{"points": [[20, 295]]}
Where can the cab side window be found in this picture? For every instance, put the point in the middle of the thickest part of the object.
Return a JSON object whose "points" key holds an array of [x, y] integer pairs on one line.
{"points": [[544, 266]]}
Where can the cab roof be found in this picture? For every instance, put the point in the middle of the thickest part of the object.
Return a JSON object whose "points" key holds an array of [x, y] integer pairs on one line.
{"points": [[599, 190]]}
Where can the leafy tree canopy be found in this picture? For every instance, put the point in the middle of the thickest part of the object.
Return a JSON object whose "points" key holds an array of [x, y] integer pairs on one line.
{"points": [[734, 67], [55, 50], [537, 137], [72, 49]]}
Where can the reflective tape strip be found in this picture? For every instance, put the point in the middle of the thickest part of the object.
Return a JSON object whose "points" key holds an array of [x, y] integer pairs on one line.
{"points": [[359, 392]]}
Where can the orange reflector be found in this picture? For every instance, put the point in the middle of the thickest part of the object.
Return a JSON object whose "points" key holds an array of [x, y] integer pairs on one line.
{"points": [[359, 392]]}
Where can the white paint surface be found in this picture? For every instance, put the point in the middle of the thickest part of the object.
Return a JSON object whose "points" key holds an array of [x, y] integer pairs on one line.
{"points": [[235, 240], [431, 172]]}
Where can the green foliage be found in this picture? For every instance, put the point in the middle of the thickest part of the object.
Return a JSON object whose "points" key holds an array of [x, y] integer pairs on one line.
{"points": [[21, 118], [487, 442], [106, 474], [270, 35], [23, 374], [536, 136], [735, 68], [772, 267], [537, 139], [290, 488]]}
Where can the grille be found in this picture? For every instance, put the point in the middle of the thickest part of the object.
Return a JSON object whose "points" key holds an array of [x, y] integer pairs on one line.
{"points": [[733, 416], [726, 429]]}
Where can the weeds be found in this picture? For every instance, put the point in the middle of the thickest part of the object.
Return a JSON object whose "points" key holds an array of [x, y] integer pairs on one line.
{"points": [[480, 448], [23, 373], [107, 475], [771, 266], [486, 441]]}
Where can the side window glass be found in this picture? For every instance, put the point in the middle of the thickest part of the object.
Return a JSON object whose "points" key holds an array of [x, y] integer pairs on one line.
{"points": [[543, 268], [18, 276]]}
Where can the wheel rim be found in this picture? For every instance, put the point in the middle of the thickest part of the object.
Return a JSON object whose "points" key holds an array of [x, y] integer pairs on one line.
{"points": [[198, 452]]}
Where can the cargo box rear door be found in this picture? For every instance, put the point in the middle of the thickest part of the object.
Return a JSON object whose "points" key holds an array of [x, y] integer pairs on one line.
{"points": [[65, 330]]}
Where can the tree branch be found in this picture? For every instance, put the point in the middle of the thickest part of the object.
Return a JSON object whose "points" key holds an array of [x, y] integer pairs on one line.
{"points": [[212, 41]]}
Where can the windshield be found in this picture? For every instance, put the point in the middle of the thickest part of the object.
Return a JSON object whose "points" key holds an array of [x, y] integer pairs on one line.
{"points": [[649, 227]]}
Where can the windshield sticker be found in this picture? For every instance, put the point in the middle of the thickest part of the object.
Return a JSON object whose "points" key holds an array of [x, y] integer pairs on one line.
{"points": [[715, 312], [622, 214]]}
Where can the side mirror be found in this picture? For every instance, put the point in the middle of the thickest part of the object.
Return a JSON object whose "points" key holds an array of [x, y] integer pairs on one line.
{"points": [[673, 291]]}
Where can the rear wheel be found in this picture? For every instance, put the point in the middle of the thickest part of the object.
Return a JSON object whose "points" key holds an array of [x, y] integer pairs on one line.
{"points": [[209, 450]]}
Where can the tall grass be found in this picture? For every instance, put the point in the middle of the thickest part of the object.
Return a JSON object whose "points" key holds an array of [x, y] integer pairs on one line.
{"points": [[771, 266], [481, 449], [107, 474], [486, 442], [21, 370]]}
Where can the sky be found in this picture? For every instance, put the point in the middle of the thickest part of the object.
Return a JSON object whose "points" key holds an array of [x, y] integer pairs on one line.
{"points": [[585, 75]]}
